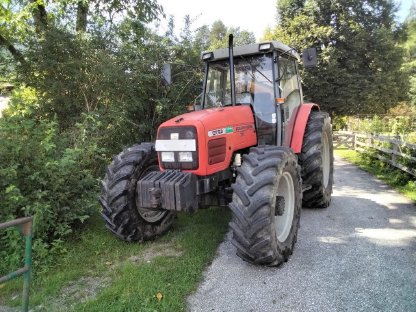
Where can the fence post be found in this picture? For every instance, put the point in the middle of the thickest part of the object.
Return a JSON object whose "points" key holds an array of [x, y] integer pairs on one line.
{"points": [[24, 225], [353, 140], [27, 232], [395, 149]]}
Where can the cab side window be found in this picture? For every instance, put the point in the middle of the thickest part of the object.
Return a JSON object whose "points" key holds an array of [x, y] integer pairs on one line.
{"points": [[289, 86]]}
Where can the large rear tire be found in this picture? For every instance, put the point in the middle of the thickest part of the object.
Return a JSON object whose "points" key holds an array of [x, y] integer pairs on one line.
{"points": [[118, 196], [317, 161], [266, 205]]}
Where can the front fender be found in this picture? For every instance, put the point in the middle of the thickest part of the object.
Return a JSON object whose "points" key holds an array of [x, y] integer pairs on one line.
{"points": [[300, 125]]}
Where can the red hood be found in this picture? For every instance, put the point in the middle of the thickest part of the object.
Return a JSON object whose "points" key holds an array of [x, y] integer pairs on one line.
{"points": [[214, 117]]}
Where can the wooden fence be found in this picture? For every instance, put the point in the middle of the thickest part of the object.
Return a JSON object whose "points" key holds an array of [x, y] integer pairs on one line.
{"points": [[344, 139], [388, 149]]}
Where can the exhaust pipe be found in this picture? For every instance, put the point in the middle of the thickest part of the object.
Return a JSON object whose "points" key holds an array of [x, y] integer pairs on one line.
{"points": [[231, 60]]}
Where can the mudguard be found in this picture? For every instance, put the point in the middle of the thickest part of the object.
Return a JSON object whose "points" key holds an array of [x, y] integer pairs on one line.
{"points": [[300, 125]]}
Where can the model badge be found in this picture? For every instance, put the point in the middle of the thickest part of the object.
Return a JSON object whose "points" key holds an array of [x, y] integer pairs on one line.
{"points": [[220, 131]]}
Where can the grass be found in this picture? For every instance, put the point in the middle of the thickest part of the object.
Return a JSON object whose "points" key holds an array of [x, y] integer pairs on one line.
{"points": [[102, 273], [393, 177]]}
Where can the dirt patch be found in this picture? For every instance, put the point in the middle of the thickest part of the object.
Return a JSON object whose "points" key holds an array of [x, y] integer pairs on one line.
{"points": [[16, 298], [8, 309], [84, 289], [161, 250]]}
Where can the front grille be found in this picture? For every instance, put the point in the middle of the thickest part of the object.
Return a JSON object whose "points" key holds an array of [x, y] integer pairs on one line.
{"points": [[179, 133]]}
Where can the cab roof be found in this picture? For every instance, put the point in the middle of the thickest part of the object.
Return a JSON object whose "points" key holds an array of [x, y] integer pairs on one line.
{"points": [[251, 49]]}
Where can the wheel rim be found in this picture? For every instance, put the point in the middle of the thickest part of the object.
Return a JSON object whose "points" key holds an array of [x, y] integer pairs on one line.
{"points": [[283, 223], [150, 215], [325, 159]]}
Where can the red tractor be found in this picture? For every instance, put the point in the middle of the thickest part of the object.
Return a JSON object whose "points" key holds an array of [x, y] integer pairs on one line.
{"points": [[252, 144]]}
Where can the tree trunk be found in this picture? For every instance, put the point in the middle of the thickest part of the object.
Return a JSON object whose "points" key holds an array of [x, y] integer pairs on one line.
{"points": [[82, 14], [40, 16], [13, 51]]}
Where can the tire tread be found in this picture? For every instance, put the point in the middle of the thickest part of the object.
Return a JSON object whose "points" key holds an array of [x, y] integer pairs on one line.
{"points": [[117, 197], [252, 222]]}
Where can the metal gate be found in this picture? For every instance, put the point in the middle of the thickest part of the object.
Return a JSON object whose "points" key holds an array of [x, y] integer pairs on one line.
{"points": [[24, 226]]}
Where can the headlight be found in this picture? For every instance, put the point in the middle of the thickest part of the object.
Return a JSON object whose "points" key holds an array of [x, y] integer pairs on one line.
{"points": [[265, 46], [185, 156], [168, 156], [207, 56]]}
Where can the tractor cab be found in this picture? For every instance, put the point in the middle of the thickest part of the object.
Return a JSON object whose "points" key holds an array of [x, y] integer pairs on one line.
{"points": [[266, 78]]}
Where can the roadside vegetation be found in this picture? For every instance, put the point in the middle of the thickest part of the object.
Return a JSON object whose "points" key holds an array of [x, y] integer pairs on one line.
{"points": [[399, 123]]}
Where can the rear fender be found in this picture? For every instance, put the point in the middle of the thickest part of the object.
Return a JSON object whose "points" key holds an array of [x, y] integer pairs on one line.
{"points": [[300, 125]]}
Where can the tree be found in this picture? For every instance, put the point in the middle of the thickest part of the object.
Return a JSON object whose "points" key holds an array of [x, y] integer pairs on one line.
{"points": [[22, 20], [202, 37], [409, 46], [288, 9], [359, 65], [216, 36], [88, 83], [218, 31]]}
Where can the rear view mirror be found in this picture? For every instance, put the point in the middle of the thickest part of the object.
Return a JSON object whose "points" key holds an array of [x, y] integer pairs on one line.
{"points": [[167, 74], [309, 57]]}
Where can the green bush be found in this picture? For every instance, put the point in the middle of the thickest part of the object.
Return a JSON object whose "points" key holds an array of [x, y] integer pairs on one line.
{"points": [[404, 126], [44, 174], [88, 97], [401, 127]]}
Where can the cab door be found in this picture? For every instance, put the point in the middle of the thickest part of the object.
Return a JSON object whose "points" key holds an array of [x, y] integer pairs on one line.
{"points": [[290, 95]]}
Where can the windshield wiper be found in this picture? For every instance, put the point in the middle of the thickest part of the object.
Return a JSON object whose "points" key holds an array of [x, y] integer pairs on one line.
{"points": [[264, 76]]}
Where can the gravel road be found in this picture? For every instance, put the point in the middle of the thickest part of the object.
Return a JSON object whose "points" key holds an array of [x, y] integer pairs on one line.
{"points": [[357, 255]]}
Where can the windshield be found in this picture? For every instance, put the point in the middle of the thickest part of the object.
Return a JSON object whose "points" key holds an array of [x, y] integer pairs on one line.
{"points": [[253, 82]]}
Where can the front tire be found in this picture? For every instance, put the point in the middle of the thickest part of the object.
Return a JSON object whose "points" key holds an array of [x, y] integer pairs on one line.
{"points": [[266, 205], [317, 161], [118, 196]]}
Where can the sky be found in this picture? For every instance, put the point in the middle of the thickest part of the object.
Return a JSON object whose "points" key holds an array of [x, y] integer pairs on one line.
{"points": [[254, 16]]}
